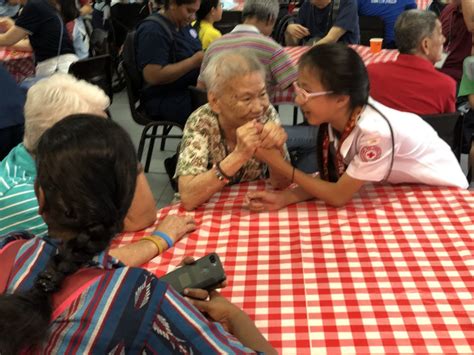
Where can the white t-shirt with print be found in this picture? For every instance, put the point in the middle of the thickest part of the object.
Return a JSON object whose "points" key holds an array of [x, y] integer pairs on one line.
{"points": [[421, 156]]}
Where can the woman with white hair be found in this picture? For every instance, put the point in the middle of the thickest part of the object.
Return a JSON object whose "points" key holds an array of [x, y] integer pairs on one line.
{"points": [[48, 102], [221, 137]]}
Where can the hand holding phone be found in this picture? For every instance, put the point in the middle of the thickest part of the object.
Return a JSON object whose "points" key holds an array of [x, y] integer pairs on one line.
{"points": [[205, 273]]}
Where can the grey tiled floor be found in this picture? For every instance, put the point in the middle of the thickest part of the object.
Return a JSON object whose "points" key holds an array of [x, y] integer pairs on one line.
{"points": [[157, 176]]}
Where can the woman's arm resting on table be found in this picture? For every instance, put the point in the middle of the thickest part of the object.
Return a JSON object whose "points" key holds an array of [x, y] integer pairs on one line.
{"points": [[142, 212], [138, 253], [278, 181], [155, 74], [12, 36], [336, 194], [234, 320], [195, 190]]}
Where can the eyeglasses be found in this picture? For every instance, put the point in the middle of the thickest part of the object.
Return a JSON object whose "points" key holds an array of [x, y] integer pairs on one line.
{"points": [[305, 96]]}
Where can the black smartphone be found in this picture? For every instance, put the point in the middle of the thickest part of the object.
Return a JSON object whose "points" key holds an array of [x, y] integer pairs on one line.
{"points": [[206, 273]]}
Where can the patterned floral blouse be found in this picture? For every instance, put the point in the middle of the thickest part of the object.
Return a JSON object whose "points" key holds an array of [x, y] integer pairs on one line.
{"points": [[203, 145]]}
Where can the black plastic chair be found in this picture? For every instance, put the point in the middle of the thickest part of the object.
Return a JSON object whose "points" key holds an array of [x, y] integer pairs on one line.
{"points": [[198, 97], [370, 27], [450, 129], [95, 70], [229, 20], [140, 117]]}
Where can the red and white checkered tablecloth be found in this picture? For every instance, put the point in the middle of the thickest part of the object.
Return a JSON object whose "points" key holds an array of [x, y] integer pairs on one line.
{"points": [[287, 96], [423, 4], [391, 272], [19, 63]]}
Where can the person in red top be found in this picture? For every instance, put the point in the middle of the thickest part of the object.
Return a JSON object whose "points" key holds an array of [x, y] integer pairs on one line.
{"points": [[412, 83], [456, 29]]}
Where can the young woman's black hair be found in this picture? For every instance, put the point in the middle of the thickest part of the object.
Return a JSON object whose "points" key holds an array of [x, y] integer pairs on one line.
{"points": [[87, 170], [204, 10], [69, 10], [340, 70], [167, 3]]}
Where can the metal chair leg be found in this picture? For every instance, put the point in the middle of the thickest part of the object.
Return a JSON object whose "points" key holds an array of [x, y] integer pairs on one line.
{"points": [[150, 148], [295, 115], [166, 131]]}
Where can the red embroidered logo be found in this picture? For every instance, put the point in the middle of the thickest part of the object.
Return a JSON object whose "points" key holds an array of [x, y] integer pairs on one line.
{"points": [[370, 153]]}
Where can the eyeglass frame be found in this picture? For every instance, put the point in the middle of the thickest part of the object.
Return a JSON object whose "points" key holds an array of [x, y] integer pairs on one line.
{"points": [[308, 95]]}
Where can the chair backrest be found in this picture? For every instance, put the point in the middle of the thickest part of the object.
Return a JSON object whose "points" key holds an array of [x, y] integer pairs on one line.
{"points": [[198, 97], [99, 42], [229, 20], [95, 70], [450, 129], [282, 23], [133, 93], [370, 27]]}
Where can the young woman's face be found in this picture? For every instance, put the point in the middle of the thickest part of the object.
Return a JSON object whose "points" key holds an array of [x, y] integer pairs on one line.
{"points": [[186, 13], [217, 11], [317, 109]]}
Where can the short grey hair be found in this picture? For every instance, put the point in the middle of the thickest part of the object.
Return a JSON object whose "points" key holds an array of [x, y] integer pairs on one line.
{"points": [[262, 10], [412, 27], [51, 99], [225, 66]]}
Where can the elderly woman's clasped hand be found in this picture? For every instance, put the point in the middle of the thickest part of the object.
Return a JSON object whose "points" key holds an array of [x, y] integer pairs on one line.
{"points": [[254, 135]]}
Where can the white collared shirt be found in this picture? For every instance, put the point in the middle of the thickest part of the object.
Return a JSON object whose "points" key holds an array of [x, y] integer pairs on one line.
{"points": [[420, 155]]}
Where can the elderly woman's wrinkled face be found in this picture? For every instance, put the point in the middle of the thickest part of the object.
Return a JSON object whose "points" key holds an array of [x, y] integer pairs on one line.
{"points": [[243, 99]]}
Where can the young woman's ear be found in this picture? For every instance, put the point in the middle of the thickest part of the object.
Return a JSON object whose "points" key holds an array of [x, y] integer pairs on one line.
{"points": [[40, 197], [343, 101]]}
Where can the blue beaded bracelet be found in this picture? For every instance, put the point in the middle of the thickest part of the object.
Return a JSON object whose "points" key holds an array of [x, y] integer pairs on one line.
{"points": [[165, 237]]}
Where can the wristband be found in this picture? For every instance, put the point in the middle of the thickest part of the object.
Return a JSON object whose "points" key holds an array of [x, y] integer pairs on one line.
{"points": [[219, 175], [218, 167], [156, 242], [165, 237]]}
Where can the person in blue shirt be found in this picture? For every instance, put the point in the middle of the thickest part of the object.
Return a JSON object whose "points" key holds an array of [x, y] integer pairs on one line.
{"points": [[7, 9], [388, 11], [319, 22], [12, 101], [170, 59]]}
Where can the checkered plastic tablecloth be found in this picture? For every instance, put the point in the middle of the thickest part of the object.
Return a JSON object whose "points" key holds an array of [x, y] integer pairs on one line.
{"points": [[18, 63], [391, 272]]}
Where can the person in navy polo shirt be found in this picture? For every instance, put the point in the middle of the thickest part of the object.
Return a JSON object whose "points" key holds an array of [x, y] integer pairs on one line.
{"points": [[412, 83], [170, 60], [12, 101], [388, 11], [315, 23]]}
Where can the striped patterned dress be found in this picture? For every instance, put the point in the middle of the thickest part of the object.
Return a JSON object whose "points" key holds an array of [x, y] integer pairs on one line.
{"points": [[120, 310]]}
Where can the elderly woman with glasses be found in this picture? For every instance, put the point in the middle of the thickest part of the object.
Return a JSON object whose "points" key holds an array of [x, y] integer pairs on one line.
{"points": [[220, 138]]}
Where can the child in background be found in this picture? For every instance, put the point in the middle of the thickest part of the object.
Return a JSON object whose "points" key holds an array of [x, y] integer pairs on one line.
{"points": [[209, 12]]}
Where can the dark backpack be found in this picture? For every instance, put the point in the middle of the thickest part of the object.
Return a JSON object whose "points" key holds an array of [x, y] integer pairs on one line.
{"points": [[129, 53]]}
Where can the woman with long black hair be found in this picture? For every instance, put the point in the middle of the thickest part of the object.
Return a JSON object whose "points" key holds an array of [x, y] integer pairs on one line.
{"points": [[63, 294], [360, 140]]}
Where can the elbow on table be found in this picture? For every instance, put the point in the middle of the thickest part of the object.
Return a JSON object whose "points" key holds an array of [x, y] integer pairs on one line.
{"points": [[188, 204], [338, 201]]}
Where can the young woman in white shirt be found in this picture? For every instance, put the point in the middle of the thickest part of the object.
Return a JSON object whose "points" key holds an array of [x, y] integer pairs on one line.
{"points": [[360, 140]]}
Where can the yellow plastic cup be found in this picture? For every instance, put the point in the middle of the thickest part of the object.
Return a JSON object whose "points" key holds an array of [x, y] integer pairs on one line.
{"points": [[376, 45]]}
